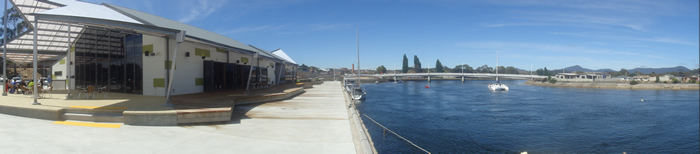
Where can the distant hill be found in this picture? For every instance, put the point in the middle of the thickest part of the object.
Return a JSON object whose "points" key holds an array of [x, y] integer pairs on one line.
{"points": [[660, 70], [643, 70]]}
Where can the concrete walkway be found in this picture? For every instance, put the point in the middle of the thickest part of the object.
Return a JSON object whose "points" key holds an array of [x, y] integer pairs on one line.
{"points": [[314, 122]]}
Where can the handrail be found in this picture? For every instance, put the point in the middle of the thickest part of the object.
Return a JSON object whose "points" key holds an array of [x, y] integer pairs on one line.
{"points": [[380, 125]]}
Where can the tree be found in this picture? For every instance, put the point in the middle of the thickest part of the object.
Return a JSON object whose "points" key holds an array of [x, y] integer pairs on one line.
{"points": [[502, 70], [546, 72], [622, 72], [510, 70], [404, 69], [657, 79], [416, 64], [304, 67], [467, 69], [381, 69], [484, 69], [16, 24], [438, 66], [539, 72]]}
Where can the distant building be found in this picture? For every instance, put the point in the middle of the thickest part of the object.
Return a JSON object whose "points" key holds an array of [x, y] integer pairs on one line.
{"points": [[577, 77]]}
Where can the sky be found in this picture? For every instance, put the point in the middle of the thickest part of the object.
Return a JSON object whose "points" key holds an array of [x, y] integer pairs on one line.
{"points": [[594, 34]]}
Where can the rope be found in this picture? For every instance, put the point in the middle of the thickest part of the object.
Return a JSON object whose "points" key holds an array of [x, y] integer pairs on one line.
{"points": [[380, 125]]}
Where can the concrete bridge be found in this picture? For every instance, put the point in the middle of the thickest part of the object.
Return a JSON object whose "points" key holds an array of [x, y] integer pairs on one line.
{"points": [[456, 75]]}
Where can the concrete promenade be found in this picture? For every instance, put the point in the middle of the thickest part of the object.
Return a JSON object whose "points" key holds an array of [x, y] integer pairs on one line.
{"points": [[313, 122]]}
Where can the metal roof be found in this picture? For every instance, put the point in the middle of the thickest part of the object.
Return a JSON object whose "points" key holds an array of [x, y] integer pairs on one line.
{"points": [[52, 37], [192, 31], [284, 56], [89, 25]]}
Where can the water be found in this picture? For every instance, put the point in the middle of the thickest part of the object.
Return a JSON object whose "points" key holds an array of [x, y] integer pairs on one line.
{"points": [[455, 117]]}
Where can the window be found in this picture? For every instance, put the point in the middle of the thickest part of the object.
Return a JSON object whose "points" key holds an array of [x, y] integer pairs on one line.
{"points": [[58, 73]]}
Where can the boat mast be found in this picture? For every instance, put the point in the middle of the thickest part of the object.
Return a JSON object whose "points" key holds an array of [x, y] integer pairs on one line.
{"points": [[359, 72], [496, 66]]}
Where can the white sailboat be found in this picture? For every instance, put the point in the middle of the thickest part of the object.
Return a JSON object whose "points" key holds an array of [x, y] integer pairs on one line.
{"points": [[355, 89], [498, 85]]}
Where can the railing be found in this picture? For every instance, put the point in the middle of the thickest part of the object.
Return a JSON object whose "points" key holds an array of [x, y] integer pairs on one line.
{"points": [[397, 135]]}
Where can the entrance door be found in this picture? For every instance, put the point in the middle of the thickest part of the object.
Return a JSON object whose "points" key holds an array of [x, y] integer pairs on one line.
{"points": [[208, 76]]}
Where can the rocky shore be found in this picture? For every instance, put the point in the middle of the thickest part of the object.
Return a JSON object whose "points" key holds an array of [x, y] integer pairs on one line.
{"points": [[617, 85]]}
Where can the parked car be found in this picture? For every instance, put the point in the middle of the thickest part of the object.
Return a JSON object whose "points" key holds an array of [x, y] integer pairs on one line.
{"points": [[17, 79], [2, 79]]}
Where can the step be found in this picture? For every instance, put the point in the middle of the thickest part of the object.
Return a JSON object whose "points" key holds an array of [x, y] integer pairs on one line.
{"points": [[94, 110], [119, 118]]}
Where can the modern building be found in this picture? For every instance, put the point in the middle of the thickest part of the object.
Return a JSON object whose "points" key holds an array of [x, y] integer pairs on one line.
{"points": [[129, 51]]}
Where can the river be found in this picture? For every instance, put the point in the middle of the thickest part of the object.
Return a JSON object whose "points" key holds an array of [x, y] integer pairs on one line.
{"points": [[456, 117]]}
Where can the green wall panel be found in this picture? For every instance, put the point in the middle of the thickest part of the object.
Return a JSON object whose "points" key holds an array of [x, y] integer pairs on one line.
{"points": [[199, 81], [168, 63], [244, 60], [221, 50], [201, 52], [159, 82], [63, 61], [147, 48]]}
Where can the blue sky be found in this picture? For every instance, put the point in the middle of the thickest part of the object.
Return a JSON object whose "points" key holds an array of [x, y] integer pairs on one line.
{"points": [[553, 34]]}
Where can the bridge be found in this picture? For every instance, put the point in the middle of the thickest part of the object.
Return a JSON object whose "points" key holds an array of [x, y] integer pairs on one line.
{"points": [[456, 75]]}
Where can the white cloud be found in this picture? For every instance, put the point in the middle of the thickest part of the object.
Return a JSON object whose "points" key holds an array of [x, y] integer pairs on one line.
{"points": [[325, 26], [253, 29], [200, 9], [540, 48]]}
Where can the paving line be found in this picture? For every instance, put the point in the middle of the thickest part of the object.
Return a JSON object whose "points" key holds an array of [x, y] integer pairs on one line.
{"points": [[73, 123], [98, 107]]}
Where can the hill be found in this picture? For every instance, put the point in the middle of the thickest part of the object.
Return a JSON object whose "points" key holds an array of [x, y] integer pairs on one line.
{"points": [[643, 70]]}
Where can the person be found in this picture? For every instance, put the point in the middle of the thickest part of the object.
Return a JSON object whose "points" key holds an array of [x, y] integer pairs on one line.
{"points": [[31, 85], [7, 85], [49, 80]]}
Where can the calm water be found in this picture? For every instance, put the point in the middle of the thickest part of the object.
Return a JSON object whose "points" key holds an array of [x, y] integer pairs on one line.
{"points": [[452, 116]]}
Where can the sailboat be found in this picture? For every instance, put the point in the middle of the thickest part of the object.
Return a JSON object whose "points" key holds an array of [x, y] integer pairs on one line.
{"points": [[498, 85], [355, 89]]}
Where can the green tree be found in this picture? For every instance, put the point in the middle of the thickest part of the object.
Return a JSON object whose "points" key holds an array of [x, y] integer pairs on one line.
{"points": [[438, 66], [546, 72], [416, 64], [404, 69], [501, 70], [539, 72], [511, 70], [381, 69], [622, 72], [484, 69], [657, 79]]}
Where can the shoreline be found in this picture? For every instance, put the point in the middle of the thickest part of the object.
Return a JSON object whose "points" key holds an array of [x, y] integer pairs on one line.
{"points": [[598, 85]]}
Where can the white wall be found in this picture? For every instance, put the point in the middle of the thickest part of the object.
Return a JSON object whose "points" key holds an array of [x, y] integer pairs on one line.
{"points": [[154, 66], [188, 69], [58, 67]]}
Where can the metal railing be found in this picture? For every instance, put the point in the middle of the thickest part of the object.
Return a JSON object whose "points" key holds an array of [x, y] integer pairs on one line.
{"points": [[397, 135]]}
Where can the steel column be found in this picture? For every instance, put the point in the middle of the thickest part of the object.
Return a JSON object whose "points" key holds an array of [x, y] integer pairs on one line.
{"points": [[247, 87], [34, 87], [4, 48], [180, 37]]}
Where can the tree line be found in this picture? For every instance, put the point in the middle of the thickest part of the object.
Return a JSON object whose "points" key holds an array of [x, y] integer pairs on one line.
{"points": [[417, 68]]}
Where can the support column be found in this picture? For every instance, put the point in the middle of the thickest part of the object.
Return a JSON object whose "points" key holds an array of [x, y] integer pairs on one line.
{"points": [[4, 49], [428, 78], [462, 79], [247, 87], [178, 39], [69, 65], [34, 87]]}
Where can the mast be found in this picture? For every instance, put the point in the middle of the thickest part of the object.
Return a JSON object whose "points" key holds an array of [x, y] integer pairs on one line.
{"points": [[359, 72], [496, 66]]}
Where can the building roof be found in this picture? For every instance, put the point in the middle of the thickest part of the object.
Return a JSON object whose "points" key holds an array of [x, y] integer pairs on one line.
{"points": [[192, 31], [283, 55], [266, 54]]}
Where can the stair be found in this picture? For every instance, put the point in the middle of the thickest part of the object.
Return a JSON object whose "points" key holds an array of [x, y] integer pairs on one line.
{"points": [[94, 114]]}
